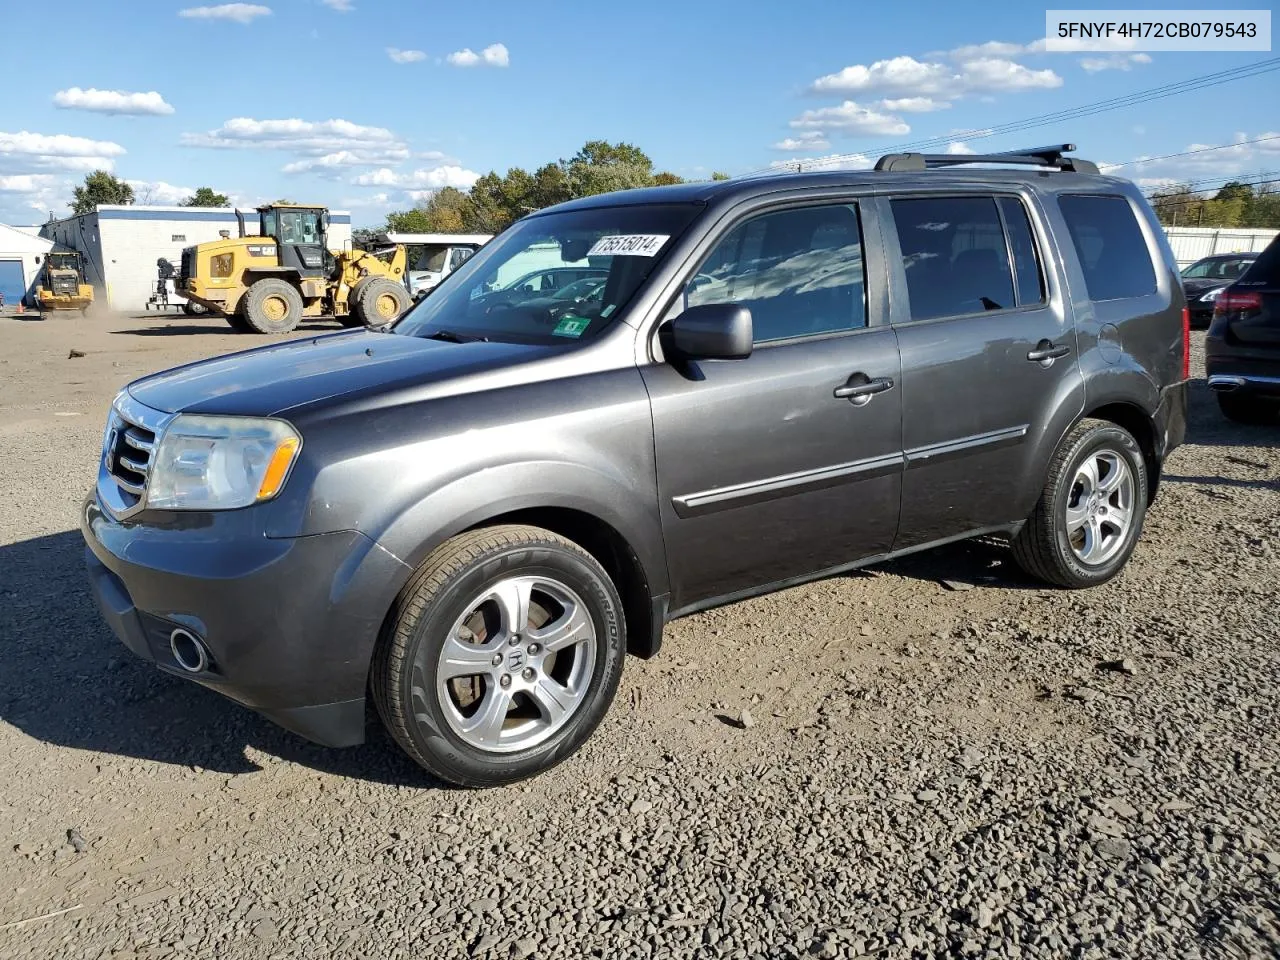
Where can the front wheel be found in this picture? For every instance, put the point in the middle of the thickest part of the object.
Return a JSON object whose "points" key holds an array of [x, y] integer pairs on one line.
{"points": [[273, 306], [1088, 519], [502, 656], [380, 301]]}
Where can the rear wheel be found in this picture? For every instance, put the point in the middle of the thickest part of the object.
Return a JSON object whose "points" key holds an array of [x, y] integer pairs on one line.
{"points": [[193, 309], [380, 301], [273, 306], [1243, 408], [502, 656], [1090, 515]]}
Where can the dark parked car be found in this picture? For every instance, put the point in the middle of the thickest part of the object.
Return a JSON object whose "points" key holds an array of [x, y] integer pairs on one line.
{"points": [[1208, 277], [1242, 347], [474, 515]]}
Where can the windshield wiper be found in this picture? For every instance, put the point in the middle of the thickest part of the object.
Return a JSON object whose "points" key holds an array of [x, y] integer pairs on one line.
{"points": [[448, 336]]}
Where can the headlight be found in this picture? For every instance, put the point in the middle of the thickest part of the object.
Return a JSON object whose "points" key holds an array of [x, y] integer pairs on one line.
{"points": [[1212, 295], [219, 463]]}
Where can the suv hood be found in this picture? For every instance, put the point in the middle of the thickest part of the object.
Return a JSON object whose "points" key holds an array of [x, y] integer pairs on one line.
{"points": [[1201, 286], [269, 380]]}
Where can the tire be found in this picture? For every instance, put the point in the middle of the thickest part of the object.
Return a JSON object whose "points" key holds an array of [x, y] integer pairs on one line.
{"points": [[1243, 408], [380, 301], [352, 319], [1072, 552], [449, 602], [192, 309], [272, 306]]}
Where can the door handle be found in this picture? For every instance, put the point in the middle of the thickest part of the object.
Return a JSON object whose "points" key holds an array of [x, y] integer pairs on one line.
{"points": [[859, 389], [1047, 351]]}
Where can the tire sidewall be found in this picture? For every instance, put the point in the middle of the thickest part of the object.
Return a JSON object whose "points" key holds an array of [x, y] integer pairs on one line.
{"points": [[1122, 442], [266, 288], [431, 733], [369, 294]]}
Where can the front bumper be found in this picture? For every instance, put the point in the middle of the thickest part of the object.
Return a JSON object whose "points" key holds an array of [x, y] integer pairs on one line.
{"points": [[289, 624]]}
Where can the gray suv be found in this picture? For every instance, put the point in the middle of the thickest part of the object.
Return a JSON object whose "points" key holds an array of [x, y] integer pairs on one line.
{"points": [[472, 515]]}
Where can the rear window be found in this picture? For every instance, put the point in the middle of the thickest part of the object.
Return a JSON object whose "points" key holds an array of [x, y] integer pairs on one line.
{"points": [[1266, 269], [1113, 254]]}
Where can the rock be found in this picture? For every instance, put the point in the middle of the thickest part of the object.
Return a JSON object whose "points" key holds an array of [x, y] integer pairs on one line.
{"points": [[482, 906], [524, 947], [76, 841], [1125, 666], [745, 720], [74, 354], [265, 929], [641, 806], [1114, 848], [927, 796], [486, 943], [957, 585], [1121, 808]]}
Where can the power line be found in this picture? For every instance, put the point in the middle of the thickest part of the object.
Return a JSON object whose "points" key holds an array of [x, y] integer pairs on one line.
{"points": [[1234, 178], [1188, 200], [1189, 153], [1256, 68]]}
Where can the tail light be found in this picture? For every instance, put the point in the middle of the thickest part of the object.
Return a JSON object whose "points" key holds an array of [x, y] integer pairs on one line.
{"points": [[1236, 301], [1186, 343]]}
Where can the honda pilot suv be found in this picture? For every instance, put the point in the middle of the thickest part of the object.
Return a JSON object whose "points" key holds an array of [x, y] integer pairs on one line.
{"points": [[472, 514]]}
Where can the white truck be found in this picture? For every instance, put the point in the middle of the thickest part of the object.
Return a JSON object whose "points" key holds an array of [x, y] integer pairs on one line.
{"points": [[433, 256]]}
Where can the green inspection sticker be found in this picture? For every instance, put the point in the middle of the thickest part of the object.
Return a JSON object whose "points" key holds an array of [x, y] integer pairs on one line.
{"points": [[571, 327]]}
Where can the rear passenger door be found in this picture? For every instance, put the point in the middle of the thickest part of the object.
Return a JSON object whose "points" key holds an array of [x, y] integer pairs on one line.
{"points": [[989, 362]]}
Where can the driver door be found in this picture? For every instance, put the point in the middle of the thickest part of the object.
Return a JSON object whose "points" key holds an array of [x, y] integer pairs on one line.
{"points": [[301, 241]]}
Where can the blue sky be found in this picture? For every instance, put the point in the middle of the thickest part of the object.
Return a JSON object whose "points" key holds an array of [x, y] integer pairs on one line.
{"points": [[367, 104]]}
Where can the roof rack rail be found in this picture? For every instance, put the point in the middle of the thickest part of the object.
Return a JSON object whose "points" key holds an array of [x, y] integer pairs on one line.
{"points": [[1051, 156]]}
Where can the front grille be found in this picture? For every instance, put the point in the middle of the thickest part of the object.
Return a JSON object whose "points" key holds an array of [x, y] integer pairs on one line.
{"points": [[127, 453]]}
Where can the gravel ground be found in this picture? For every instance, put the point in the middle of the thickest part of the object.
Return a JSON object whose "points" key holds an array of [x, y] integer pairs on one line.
{"points": [[875, 765]]}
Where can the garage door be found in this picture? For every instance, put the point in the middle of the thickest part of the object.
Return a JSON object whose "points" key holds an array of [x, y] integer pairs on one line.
{"points": [[12, 284]]}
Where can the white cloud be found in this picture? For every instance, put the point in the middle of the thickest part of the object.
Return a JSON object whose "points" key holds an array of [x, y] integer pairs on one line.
{"points": [[494, 55], [1116, 61], [112, 101], [808, 140], [405, 56], [159, 193], [336, 163], [915, 105], [993, 75], [992, 48], [836, 161], [304, 137], [1239, 159], [431, 178], [898, 75], [26, 182], [23, 151], [851, 118], [342, 6], [239, 12], [959, 148]]}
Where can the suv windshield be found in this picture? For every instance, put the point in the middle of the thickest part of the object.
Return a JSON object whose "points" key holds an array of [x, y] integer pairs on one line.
{"points": [[512, 288], [1217, 269]]}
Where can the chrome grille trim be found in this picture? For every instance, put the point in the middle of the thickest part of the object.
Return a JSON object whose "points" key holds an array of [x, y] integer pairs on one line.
{"points": [[133, 431]]}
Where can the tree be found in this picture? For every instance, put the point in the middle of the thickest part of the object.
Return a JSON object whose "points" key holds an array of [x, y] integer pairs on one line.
{"points": [[100, 187], [718, 175], [205, 197], [495, 200]]}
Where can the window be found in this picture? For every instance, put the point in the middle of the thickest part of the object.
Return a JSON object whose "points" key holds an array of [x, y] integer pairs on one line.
{"points": [[178, 238], [299, 226], [1217, 268], [458, 257], [1109, 243], [1026, 262], [954, 255], [800, 272]]}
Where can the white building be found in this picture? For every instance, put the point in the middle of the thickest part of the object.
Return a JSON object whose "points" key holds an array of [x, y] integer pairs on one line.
{"points": [[21, 260], [121, 244]]}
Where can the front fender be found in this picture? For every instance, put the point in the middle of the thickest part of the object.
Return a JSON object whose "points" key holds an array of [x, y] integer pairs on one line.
{"points": [[471, 501]]}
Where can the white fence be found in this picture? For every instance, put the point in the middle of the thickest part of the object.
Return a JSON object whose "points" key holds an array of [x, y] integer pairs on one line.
{"points": [[1191, 243]]}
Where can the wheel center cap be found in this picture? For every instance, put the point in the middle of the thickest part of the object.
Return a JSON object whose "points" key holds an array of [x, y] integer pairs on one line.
{"points": [[516, 659]]}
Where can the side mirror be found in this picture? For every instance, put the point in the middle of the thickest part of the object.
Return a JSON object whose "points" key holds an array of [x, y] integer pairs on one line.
{"points": [[712, 331]]}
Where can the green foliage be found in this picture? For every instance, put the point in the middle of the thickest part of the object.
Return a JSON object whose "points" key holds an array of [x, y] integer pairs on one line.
{"points": [[1234, 205], [496, 200], [100, 187], [719, 175], [205, 197]]}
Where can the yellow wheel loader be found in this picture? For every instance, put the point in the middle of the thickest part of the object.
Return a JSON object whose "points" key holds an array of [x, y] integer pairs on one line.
{"points": [[62, 285], [268, 283]]}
